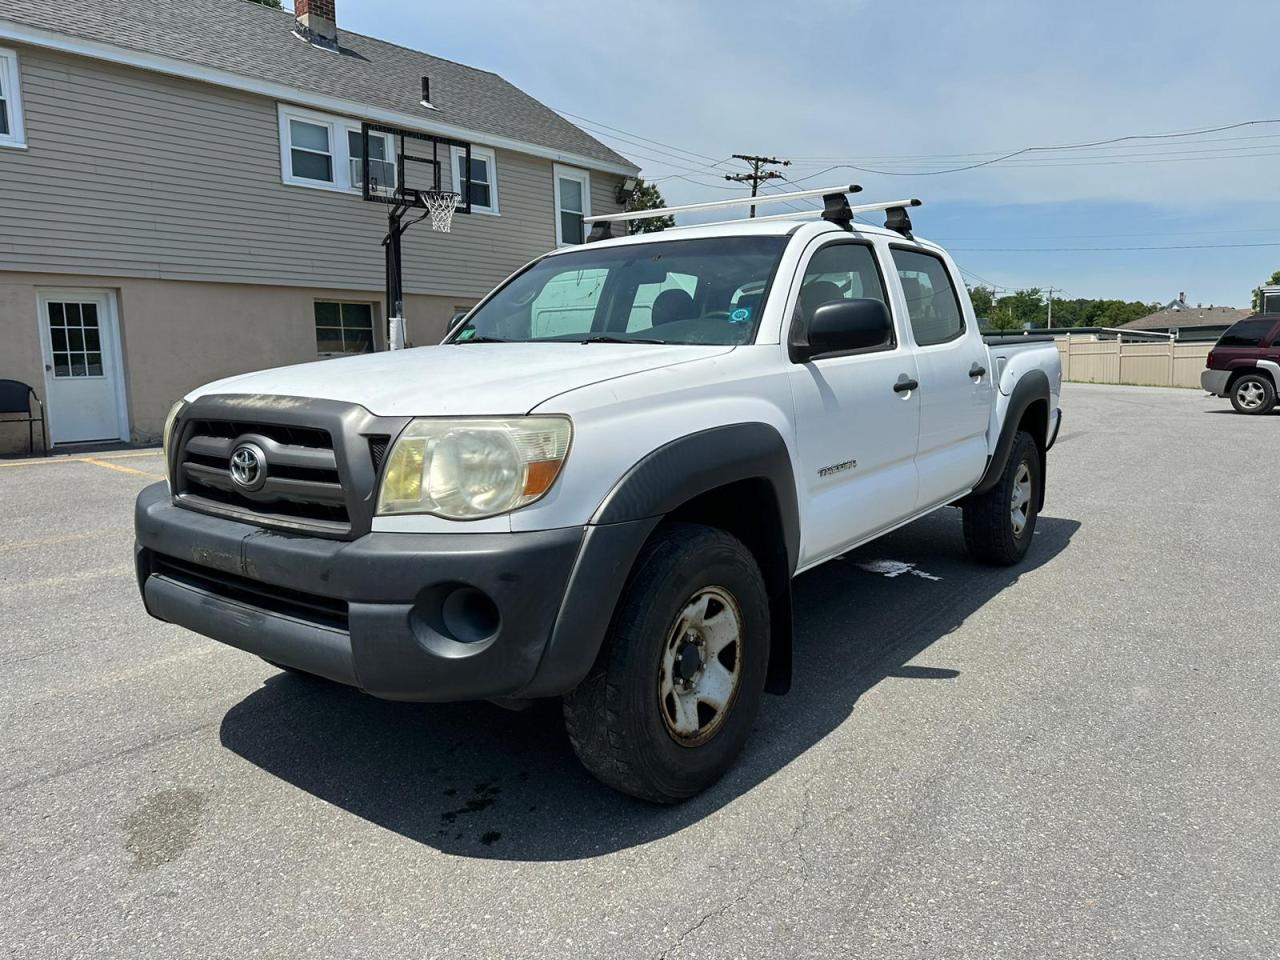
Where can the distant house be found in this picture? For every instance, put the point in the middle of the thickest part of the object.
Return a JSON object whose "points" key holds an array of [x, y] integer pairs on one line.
{"points": [[180, 197], [1189, 322]]}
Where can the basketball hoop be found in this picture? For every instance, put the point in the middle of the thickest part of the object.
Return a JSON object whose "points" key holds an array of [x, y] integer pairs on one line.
{"points": [[441, 205]]}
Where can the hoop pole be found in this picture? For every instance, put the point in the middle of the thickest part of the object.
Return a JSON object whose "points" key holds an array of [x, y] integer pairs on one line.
{"points": [[395, 285]]}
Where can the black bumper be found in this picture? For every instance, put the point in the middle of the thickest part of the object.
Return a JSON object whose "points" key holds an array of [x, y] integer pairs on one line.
{"points": [[401, 616]]}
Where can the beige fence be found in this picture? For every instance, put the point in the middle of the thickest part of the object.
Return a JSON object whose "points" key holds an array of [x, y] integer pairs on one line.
{"points": [[1160, 364]]}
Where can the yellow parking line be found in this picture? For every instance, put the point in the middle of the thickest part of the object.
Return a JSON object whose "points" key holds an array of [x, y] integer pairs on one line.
{"points": [[122, 469], [35, 462]]}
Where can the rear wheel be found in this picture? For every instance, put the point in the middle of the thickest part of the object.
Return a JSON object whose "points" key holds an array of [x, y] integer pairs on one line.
{"points": [[670, 701], [999, 524], [1253, 393]]}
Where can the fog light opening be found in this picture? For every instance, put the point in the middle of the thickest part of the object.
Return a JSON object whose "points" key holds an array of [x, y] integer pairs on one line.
{"points": [[469, 616]]}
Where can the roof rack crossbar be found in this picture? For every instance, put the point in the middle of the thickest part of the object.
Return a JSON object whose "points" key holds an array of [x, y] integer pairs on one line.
{"points": [[723, 204], [854, 209]]}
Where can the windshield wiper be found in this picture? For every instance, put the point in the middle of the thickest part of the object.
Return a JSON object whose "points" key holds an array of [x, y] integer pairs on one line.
{"points": [[610, 338], [481, 339]]}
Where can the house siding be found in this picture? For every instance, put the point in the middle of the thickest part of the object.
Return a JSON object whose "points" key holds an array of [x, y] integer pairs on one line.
{"points": [[135, 174]]}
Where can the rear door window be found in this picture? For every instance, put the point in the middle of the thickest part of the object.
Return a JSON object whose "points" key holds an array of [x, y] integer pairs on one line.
{"points": [[932, 303], [1248, 333]]}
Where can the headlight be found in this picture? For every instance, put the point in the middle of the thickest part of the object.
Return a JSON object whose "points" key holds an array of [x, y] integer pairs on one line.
{"points": [[473, 468], [167, 443]]}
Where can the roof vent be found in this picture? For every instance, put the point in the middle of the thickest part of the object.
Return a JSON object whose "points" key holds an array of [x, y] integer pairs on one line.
{"points": [[316, 23]]}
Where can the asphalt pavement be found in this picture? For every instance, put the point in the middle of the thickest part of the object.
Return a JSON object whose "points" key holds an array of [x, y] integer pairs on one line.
{"points": [[1077, 757]]}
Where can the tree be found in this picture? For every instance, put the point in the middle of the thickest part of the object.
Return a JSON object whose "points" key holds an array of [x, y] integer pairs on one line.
{"points": [[984, 299], [1018, 309], [1257, 291], [648, 197], [273, 4]]}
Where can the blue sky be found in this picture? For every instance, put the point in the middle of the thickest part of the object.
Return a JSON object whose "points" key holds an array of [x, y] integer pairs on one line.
{"points": [[903, 87]]}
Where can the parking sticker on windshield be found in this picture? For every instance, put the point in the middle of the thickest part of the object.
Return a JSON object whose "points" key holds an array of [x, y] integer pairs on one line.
{"points": [[741, 315]]}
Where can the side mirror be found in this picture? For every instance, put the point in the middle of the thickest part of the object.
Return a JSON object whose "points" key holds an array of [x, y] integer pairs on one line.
{"points": [[843, 326]]}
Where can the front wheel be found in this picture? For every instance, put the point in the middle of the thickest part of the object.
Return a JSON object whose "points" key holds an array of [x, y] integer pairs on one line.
{"points": [[999, 524], [1253, 393], [670, 701]]}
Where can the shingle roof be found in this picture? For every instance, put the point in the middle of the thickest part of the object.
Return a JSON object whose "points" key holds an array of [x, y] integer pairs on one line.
{"points": [[254, 41], [1187, 317]]}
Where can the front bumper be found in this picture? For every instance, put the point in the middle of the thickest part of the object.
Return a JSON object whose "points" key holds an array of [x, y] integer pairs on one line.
{"points": [[401, 616], [1215, 381]]}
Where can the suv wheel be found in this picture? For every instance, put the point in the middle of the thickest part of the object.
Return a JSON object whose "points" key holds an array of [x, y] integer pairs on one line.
{"points": [[1253, 393], [670, 701], [999, 524]]}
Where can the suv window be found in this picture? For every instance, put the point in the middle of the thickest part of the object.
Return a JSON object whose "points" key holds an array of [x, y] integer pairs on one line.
{"points": [[839, 271], [703, 291], [1247, 333], [932, 303]]}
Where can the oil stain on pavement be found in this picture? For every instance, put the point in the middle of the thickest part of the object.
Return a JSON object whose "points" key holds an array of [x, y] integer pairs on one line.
{"points": [[164, 826]]}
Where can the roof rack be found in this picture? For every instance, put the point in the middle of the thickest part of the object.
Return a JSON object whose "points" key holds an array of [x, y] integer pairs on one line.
{"points": [[836, 209], [809, 214], [759, 201]]}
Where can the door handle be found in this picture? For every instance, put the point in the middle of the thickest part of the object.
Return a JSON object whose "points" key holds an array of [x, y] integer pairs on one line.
{"points": [[904, 384], [977, 370]]}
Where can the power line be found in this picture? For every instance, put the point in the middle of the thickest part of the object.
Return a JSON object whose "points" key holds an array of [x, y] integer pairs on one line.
{"points": [[1183, 246]]}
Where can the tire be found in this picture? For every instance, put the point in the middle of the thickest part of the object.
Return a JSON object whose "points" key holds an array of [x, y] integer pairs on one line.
{"points": [[991, 533], [1253, 394], [633, 722]]}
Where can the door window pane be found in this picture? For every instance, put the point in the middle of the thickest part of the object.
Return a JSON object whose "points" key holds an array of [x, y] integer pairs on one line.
{"points": [[572, 193], [931, 299], [839, 271], [571, 227], [75, 339]]}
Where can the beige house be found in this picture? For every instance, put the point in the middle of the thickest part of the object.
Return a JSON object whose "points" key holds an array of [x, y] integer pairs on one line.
{"points": [[180, 200]]}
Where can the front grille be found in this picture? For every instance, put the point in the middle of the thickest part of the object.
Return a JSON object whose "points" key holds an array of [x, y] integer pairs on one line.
{"points": [[302, 486], [308, 607]]}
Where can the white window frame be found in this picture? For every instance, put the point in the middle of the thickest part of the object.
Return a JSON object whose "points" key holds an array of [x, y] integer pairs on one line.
{"points": [[10, 83], [339, 150], [582, 176], [486, 154]]}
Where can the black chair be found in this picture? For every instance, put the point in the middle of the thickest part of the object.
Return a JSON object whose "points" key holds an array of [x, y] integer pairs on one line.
{"points": [[17, 397]]}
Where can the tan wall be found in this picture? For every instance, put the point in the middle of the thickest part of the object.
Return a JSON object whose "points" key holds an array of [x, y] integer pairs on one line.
{"points": [[1168, 364], [135, 174], [177, 335]]}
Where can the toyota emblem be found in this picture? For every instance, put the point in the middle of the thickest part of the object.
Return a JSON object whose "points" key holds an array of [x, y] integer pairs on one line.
{"points": [[248, 466]]}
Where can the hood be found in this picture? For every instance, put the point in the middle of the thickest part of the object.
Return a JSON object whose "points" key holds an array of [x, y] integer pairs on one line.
{"points": [[478, 379]]}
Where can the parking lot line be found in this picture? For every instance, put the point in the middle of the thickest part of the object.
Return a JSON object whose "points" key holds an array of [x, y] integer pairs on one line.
{"points": [[39, 461], [122, 469]]}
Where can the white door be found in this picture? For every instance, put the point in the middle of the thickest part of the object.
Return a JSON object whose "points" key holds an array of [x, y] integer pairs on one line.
{"points": [[955, 386], [84, 385], [855, 434]]}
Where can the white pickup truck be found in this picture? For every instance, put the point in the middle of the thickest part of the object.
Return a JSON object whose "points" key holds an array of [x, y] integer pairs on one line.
{"points": [[601, 485]]}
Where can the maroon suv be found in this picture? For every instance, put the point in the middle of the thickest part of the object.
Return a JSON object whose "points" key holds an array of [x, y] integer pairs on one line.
{"points": [[1245, 364]]}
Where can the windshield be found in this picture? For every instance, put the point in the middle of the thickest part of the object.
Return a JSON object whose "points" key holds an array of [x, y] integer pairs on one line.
{"points": [[705, 291]]}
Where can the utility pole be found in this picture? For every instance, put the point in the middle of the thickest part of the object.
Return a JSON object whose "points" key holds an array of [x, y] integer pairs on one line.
{"points": [[1049, 322], [758, 174]]}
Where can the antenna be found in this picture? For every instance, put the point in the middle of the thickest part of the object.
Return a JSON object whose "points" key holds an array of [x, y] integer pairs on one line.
{"points": [[722, 204]]}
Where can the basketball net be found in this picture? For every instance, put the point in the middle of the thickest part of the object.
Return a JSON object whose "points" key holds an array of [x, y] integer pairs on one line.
{"points": [[441, 205]]}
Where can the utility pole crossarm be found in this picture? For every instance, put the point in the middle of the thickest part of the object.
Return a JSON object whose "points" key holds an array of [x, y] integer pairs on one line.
{"points": [[758, 174]]}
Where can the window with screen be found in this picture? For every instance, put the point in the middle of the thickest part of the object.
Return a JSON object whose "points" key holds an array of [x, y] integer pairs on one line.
{"points": [[573, 202], [839, 271], [343, 328], [310, 151], [484, 177], [11, 133], [382, 161], [932, 303], [1247, 333]]}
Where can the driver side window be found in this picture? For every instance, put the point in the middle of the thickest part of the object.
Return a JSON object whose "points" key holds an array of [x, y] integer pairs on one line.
{"points": [[839, 271]]}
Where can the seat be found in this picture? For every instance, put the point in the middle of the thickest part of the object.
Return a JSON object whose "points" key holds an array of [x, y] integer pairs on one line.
{"points": [[17, 397], [814, 295], [672, 305]]}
